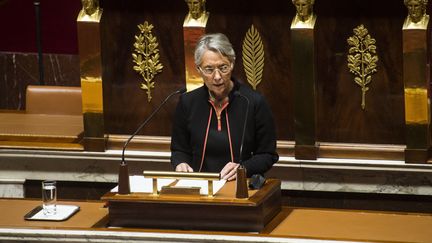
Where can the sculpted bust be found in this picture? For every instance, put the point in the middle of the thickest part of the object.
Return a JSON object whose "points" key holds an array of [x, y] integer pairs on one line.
{"points": [[90, 11], [197, 15], [305, 17], [417, 17], [196, 8]]}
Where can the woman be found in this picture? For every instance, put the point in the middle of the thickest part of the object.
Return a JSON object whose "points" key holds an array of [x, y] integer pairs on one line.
{"points": [[208, 123]]}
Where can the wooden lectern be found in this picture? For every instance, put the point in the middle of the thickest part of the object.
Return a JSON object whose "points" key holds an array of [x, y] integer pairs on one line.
{"points": [[192, 212]]}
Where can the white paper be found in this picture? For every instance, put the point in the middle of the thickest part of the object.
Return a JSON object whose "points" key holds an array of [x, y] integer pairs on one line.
{"points": [[62, 212], [203, 184], [145, 185]]}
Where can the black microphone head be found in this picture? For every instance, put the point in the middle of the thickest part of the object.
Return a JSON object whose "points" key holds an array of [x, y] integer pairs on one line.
{"points": [[237, 93]]}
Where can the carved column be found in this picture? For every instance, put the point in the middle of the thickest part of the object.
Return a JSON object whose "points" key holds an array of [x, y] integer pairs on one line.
{"points": [[417, 93], [193, 28], [91, 79], [304, 79]]}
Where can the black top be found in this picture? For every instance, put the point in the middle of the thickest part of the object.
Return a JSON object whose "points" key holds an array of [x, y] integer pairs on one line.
{"points": [[190, 132]]}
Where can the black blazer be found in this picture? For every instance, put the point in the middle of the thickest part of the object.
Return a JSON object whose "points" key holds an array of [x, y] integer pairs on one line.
{"points": [[190, 125]]}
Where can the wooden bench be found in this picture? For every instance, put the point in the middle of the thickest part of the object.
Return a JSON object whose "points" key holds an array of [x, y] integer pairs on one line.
{"points": [[52, 120], [58, 100]]}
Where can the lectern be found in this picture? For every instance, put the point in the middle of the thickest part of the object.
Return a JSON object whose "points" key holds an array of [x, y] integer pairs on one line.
{"points": [[223, 211]]}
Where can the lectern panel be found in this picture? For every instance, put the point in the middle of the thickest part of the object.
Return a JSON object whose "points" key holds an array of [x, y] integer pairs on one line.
{"points": [[196, 212]]}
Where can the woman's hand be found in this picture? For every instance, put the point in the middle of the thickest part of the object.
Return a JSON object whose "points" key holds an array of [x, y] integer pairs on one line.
{"points": [[229, 171], [183, 167]]}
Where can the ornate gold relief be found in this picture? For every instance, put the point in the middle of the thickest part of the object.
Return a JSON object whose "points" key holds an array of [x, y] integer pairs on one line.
{"points": [[253, 57], [146, 57], [362, 59]]}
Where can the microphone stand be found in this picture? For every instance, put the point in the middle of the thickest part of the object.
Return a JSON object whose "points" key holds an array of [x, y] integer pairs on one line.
{"points": [[123, 179], [39, 42], [241, 186]]}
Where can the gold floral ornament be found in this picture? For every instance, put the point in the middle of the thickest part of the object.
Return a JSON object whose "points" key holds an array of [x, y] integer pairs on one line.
{"points": [[362, 59], [146, 57], [253, 57]]}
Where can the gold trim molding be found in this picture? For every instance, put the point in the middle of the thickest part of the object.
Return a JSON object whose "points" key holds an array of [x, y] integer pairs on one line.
{"points": [[146, 57], [362, 59], [253, 57]]}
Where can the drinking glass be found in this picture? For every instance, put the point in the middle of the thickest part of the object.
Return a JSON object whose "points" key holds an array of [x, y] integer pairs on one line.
{"points": [[49, 197]]}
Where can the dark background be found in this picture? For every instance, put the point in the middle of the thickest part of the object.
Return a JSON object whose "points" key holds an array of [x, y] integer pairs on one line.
{"points": [[340, 117]]}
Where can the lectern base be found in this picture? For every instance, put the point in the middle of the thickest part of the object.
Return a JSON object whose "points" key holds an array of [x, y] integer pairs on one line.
{"points": [[221, 212]]}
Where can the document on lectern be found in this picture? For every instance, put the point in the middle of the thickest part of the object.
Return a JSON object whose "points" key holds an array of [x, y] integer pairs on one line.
{"points": [[145, 185]]}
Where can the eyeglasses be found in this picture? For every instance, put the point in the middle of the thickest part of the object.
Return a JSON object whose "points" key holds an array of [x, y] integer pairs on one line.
{"points": [[224, 69]]}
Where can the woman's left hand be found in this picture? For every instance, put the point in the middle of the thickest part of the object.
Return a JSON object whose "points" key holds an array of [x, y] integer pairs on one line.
{"points": [[229, 171]]}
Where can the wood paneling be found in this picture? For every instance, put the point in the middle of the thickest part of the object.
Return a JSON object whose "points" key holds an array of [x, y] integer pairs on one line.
{"points": [[340, 117], [125, 105], [17, 70]]}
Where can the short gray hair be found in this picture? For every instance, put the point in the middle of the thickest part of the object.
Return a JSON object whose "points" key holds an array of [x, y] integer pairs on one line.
{"points": [[217, 42]]}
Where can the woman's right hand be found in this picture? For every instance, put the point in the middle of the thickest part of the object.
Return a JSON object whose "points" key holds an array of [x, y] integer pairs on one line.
{"points": [[183, 167]]}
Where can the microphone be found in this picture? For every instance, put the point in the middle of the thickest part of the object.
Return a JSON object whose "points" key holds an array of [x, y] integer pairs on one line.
{"points": [[123, 181], [237, 93], [241, 185]]}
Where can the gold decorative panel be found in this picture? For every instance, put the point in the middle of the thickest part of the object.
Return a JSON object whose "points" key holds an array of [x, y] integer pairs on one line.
{"points": [[146, 57], [362, 59], [253, 57]]}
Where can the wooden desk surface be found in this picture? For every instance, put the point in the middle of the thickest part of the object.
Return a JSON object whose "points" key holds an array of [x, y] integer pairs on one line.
{"points": [[354, 225], [41, 131], [289, 225], [40, 125], [13, 210]]}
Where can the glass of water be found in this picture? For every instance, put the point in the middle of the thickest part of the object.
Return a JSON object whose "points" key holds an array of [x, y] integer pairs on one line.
{"points": [[49, 197]]}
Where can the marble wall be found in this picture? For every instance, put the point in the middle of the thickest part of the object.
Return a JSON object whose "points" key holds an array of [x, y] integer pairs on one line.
{"points": [[12, 188], [376, 177], [17, 70], [361, 184]]}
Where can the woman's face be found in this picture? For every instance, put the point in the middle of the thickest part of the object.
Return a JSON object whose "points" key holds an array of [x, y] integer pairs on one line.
{"points": [[216, 71]]}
